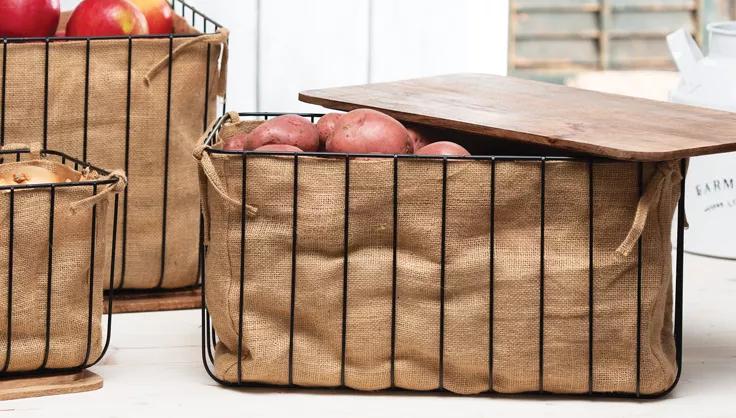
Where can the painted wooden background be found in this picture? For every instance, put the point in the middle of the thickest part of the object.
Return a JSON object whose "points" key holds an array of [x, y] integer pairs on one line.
{"points": [[279, 47]]}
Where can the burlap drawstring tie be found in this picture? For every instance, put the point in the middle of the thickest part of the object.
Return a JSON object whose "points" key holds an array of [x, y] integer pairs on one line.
{"points": [[667, 173], [220, 39], [208, 168], [114, 188]]}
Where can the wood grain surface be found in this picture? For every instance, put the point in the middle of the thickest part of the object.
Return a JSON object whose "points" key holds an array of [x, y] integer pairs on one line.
{"points": [[173, 300], [33, 387], [565, 118]]}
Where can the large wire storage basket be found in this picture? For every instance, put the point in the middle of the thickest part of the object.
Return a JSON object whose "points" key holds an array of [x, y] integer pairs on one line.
{"points": [[118, 148], [240, 279], [51, 269]]}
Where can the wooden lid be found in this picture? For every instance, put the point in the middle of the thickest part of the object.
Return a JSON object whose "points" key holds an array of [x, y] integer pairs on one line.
{"points": [[600, 124]]}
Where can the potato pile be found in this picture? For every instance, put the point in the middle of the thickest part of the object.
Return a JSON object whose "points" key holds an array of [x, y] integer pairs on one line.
{"points": [[361, 131]]}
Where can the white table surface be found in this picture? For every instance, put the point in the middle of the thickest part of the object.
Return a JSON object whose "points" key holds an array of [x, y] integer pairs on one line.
{"points": [[154, 369]]}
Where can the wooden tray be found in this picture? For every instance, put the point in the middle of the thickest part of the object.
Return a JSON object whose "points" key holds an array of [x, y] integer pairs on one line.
{"points": [[33, 387], [170, 300], [565, 118]]}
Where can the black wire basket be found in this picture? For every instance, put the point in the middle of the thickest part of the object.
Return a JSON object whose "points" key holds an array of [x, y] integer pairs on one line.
{"points": [[53, 267], [118, 148], [240, 281]]}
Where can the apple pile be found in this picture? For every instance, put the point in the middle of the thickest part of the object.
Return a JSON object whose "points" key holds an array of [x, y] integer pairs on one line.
{"points": [[361, 131], [40, 18]]}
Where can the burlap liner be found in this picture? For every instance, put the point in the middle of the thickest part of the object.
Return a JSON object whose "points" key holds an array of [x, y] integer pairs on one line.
{"points": [[620, 217], [107, 126], [70, 269]]}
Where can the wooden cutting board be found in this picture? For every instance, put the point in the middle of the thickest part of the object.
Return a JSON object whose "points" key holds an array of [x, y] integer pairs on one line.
{"points": [[570, 119]]}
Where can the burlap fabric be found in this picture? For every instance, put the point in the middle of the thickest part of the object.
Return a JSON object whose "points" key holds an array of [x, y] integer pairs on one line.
{"points": [[70, 270], [620, 217], [107, 125]]}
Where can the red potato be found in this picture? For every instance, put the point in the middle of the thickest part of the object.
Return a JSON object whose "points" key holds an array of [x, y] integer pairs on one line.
{"points": [[236, 142], [366, 131], [418, 140], [278, 148], [446, 148], [326, 126], [285, 130]]}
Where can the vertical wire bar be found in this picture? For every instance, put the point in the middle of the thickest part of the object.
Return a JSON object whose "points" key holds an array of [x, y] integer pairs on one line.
{"points": [[346, 251], [90, 304], [46, 97], [205, 124], [591, 274], [543, 187], [165, 205], [49, 275], [638, 289], [395, 204], [3, 92], [243, 220], [111, 289], [295, 216], [85, 136], [11, 226], [443, 254], [124, 243], [680, 268], [205, 119], [492, 276]]}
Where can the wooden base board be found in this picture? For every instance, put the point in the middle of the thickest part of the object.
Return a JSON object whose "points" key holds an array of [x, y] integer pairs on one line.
{"points": [[174, 300], [32, 387]]}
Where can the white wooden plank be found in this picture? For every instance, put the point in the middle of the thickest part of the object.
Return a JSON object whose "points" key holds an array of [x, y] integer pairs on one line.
{"points": [[241, 18], [414, 38], [308, 44]]}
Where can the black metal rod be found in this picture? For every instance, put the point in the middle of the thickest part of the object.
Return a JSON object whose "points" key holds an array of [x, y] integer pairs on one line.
{"points": [[492, 275], [3, 88], [543, 186], [345, 265], [443, 259], [165, 205], [680, 270], [129, 89], [46, 96], [591, 272], [243, 228], [294, 245], [85, 123], [394, 264], [11, 233], [90, 306], [639, 261], [49, 275]]}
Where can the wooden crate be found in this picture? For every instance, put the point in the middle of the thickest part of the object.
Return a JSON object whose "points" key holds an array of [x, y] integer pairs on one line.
{"points": [[553, 39]]}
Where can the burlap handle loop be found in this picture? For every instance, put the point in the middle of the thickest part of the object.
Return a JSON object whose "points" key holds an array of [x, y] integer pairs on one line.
{"points": [[208, 169], [667, 172], [114, 188], [33, 148], [220, 38]]}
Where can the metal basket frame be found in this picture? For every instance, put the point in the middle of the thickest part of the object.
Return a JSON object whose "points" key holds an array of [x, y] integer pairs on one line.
{"points": [[198, 20], [15, 155], [209, 338]]}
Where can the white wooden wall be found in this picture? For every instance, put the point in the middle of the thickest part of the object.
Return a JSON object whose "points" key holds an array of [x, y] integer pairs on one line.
{"points": [[280, 47]]}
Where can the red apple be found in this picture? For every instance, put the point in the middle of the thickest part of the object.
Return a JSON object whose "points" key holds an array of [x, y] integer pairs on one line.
{"points": [[106, 18], [159, 15], [28, 18]]}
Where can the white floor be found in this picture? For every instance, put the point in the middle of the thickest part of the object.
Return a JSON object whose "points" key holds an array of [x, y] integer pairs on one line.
{"points": [[154, 369]]}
